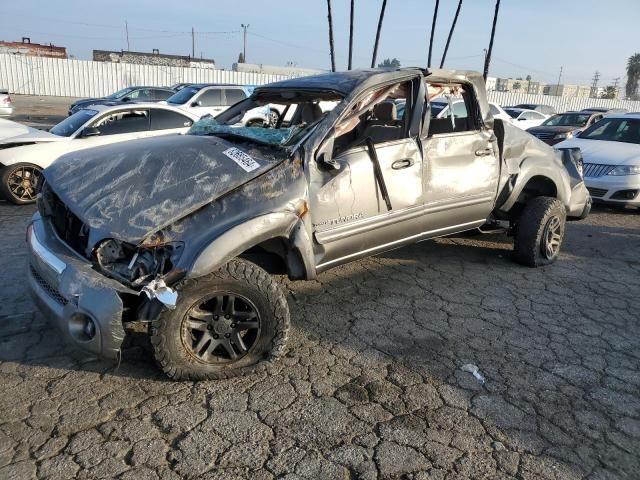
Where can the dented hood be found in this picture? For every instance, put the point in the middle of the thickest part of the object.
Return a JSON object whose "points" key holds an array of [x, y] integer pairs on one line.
{"points": [[131, 189]]}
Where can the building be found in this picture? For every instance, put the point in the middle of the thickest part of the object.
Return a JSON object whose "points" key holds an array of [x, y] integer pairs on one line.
{"points": [[575, 91], [153, 58], [275, 69], [491, 84], [25, 47]]}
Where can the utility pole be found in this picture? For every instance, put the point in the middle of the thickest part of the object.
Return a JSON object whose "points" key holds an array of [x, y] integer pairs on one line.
{"points": [[193, 43], [126, 29], [375, 46], [594, 84], [487, 61], [433, 28], [616, 81], [558, 84], [244, 42], [351, 35]]}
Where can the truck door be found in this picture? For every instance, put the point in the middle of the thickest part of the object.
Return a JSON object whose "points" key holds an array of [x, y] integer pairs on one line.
{"points": [[352, 216], [461, 165]]}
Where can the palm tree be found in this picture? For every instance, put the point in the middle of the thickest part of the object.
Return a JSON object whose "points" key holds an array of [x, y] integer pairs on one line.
{"points": [[351, 35], [487, 58], [333, 57], [375, 46], [633, 76], [433, 28]]}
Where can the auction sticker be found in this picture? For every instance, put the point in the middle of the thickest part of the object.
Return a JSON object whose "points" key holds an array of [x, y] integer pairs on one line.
{"points": [[246, 162]]}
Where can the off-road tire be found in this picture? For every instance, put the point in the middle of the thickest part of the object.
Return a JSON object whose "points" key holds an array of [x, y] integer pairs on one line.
{"points": [[243, 278], [530, 229], [5, 191]]}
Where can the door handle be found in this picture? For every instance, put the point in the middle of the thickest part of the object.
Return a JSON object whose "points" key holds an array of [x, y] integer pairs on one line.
{"points": [[400, 164], [484, 153]]}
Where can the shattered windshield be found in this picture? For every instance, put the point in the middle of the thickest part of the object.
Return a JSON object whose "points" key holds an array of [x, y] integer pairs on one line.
{"points": [[277, 119]]}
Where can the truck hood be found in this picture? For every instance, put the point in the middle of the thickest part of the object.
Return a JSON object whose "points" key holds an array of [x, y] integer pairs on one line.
{"points": [[132, 189], [14, 132], [605, 152], [553, 129]]}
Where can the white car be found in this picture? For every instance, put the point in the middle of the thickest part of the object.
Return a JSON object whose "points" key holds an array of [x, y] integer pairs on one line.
{"points": [[523, 118], [440, 109], [25, 151], [6, 108], [202, 99], [611, 153]]}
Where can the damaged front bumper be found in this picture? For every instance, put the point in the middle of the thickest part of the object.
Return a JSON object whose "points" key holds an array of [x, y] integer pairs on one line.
{"points": [[84, 305]]}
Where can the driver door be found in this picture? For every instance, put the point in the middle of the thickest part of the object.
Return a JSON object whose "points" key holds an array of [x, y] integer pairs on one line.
{"points": [[350, 214]]}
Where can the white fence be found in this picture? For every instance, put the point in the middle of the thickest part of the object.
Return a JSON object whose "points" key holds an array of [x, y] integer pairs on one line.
{"points": [[81, 78], [561, 104]]}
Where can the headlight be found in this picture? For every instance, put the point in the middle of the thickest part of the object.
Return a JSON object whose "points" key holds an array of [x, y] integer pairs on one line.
{"points": [[626, 170], [562, 136]]}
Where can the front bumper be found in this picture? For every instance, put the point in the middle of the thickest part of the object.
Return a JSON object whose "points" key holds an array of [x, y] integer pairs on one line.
{"points": [[609, 188], [84, 305]]}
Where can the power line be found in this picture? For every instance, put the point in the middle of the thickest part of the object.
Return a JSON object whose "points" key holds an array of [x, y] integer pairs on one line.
{"points": [[594, 85]]}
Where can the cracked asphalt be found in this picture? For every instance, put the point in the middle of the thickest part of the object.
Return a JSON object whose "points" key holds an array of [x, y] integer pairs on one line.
{"points": [[372, 386]]}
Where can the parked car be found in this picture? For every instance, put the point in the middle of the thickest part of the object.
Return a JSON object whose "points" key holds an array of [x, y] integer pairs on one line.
{"points": [[605, 110], [538, 107], [525, 119], [561, 126], [6, 107], [440, 109], [126, 95], [176, 87], [611, 152], [183, 232], [25, 151]]}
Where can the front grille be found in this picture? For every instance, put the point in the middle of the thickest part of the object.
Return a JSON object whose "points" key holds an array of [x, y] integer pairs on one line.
{"points": [[47, 287], [66, 224], [543, 135], [597, 169], [597, 192]]}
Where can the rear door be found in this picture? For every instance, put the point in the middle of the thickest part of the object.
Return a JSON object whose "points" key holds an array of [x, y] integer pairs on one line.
{"points": [[461, 168], [165, 121], [209, 101]]}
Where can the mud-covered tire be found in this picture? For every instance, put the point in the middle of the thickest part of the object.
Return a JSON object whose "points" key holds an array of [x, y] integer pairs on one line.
{"points": [[531, 236], [6, 174], [237, 277]]}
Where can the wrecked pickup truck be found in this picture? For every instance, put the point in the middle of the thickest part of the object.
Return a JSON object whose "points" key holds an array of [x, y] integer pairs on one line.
{"points": [[178, 237]]}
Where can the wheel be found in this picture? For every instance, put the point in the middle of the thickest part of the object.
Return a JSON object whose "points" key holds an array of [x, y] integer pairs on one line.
{"points": [[539, 232], [20, 183], [224, 324], [274, 117]]}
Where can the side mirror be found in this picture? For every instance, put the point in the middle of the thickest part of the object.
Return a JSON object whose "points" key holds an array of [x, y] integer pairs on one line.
{"points": [[324, 156], [577, 134], [89, 132], [197, 103]]}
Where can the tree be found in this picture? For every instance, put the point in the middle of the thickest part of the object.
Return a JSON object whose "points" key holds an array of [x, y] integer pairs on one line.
{"points": [[241, 58], [528, 78], [517, 85], [633, 76], [389, 63], [609, 92]]}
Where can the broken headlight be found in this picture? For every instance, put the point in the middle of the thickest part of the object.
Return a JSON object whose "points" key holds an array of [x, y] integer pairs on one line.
{"points": [[136, 265]]}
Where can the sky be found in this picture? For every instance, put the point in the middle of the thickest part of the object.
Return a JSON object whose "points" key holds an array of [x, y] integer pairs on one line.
{"points": [[533, 37]]}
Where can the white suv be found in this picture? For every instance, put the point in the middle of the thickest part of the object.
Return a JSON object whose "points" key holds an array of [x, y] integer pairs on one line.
{"points": [[5, 103]]}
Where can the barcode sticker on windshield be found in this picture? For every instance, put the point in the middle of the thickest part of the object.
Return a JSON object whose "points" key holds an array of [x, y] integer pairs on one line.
{"points": [[246, 162]]}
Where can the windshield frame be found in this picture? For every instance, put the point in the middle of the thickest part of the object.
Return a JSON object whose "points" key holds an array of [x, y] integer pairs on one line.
{"points": [[82, 113]]}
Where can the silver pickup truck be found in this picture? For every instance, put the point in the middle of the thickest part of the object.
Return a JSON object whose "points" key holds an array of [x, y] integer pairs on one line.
{"points": [[178, 236]]}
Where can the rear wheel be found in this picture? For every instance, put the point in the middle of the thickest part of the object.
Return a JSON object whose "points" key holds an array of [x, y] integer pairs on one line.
{"points": [[539, 232], [20, 183], [225, 324]]}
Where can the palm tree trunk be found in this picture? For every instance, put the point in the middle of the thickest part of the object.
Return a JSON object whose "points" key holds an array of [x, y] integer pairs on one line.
{"points": [[487, 60], [433, 29], [333, 55], [375, 46], [351, 35], [453, 26]]}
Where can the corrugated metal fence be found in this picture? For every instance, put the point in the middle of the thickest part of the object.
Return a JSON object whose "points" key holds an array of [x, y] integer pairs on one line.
{"points": [[81, 78], [561, 104]]}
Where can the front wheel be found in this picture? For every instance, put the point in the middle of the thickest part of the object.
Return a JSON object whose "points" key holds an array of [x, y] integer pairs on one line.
{"points": [[20, 183], [224, 325], [539, 232]]}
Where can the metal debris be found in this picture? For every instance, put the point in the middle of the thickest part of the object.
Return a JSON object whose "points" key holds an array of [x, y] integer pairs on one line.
{"points": [[472, 369], [164, 294]]}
